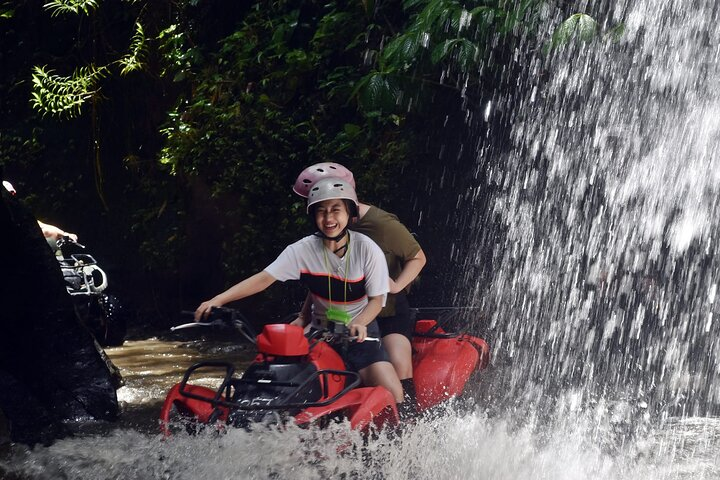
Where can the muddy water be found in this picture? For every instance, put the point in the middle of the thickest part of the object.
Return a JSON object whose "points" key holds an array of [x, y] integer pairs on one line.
{"points": [[152, 366]]}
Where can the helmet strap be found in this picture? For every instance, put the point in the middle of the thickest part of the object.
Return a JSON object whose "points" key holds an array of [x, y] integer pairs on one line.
{"points": [[335, 238]]}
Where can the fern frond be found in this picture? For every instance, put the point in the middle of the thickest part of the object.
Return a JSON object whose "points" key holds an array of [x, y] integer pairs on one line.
{"points": [[135, 58], [59, 7], [64, 96]]}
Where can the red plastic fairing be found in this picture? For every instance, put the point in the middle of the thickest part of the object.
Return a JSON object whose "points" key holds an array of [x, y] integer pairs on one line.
{"points": [[420, 344], [442, 366], [324, 357], [483, 349], [442, 370], [363, 406], [282, 340], [424, 326], [200, 410]]}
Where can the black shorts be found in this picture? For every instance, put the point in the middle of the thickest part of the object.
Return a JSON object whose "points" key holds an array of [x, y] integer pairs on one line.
{"points": [[403, 322], [360, 355]]}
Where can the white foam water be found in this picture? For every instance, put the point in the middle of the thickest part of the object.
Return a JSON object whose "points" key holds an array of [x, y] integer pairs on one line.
{"points": [[574, 445]]}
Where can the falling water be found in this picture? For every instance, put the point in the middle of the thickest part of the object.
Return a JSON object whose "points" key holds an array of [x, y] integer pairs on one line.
{"points": [[607, 278]]}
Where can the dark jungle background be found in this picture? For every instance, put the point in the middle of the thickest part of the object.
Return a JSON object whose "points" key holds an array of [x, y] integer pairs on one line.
{"points": [[168, 134]]}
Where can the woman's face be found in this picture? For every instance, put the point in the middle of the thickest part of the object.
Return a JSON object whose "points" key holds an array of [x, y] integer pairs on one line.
{"points": [[331, 217]]}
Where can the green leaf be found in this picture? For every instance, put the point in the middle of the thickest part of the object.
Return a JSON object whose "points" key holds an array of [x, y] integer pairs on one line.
{"points": [[615, 33], [440, 52], [135, 58], [465, 51], [64, 96], [484, 14], [437, 16], [379, 93], [7, 12], [402, 51], [59, 7], [578, 26]]}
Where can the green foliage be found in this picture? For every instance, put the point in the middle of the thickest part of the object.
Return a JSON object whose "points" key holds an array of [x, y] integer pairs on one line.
{"points": [[578, 26], [443, 42], [17, 149], [75, 7], [7, 10], [179, 59], [64, 96], [273, 90], [582, 28], [272, 99], [135, 58]]}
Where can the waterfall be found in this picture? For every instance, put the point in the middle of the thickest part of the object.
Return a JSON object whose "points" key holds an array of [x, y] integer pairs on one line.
{"points": [[607, 274]]}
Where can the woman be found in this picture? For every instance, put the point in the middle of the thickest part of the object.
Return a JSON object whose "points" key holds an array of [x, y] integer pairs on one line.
{"points": [[405, 259], [346, 275]]}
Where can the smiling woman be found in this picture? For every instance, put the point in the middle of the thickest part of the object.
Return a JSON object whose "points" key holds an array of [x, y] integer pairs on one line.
{"points": [[331, 217], [347, 277], [332, 202]]}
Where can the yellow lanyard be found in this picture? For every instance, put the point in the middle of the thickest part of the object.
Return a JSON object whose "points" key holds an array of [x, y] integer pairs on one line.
{"points": [[337, 315]]}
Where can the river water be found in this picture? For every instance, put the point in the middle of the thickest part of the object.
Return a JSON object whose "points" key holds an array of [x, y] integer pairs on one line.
{"points": [[601, 306], [581, 439]]}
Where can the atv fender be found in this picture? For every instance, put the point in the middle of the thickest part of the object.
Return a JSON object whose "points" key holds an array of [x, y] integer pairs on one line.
{"points": [[363, 406], [441, 369], [190, 407]]}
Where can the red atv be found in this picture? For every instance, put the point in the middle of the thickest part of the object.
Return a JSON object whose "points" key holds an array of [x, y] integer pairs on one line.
{"points": [[304, 378]]}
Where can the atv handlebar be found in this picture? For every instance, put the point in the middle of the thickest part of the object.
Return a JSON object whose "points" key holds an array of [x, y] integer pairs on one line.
{"points": [[220, 317], [332, 337], [66, 239]]}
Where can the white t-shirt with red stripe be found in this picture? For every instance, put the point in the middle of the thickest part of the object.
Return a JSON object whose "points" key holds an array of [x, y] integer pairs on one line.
{"points": [[361, 273]]}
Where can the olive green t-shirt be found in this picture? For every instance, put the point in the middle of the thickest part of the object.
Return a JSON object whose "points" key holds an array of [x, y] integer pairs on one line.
{"points": [[396, 242]]}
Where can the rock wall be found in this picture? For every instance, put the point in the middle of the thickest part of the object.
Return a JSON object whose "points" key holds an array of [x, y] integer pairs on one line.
{"points": [[51, 370]]}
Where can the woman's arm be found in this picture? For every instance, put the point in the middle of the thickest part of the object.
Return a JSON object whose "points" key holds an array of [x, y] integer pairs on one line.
{"points": [[250, 286], [410, 271], [359, 325]]}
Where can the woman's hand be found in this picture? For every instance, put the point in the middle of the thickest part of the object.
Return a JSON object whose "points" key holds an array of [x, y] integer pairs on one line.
{"points": [[394, 287], [359, 331], [204, 309]]}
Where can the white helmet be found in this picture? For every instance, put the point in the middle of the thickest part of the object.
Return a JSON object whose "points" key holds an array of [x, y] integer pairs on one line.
{"points": [[314, 173], [331, 189]]}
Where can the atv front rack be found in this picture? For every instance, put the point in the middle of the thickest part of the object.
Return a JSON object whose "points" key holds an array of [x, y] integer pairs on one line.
{"points": [[225, 388]]}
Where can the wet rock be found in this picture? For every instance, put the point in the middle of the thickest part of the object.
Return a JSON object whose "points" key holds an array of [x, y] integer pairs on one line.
{"points": [[51, 371]]}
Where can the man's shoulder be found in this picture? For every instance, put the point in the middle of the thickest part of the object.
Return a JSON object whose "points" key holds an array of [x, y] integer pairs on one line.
{"points": [[377, 214]]}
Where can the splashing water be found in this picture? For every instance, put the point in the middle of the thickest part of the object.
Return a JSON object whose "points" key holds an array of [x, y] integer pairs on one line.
{"points": [[446, 447]]}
